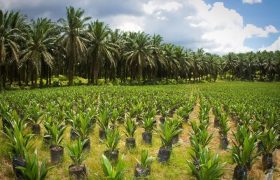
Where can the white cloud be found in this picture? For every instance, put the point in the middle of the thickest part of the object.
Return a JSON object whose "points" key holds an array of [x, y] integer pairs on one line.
{"points": [[251, 1], [274, 46], [252, 30], [154, 6], [127, 23]]}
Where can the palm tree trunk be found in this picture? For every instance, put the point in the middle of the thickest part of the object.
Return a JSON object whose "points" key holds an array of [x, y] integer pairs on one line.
{"points": [[41, 74], [95, 69], [71, 71], [4, 76]]}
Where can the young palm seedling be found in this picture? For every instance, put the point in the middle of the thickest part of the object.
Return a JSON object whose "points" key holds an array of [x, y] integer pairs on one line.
{"points": [[5, 113], [269, 139], [164, 114], [77, 169], [218, 113], [199, 135], [243, 152], [56, 136], [167, 132], [33, 170], [114, 117], [112, 172], [84, 130], [143, 167], [184, 111], [223, 130], [35, 116], [205, 165], [75, 125], [177, 123], [112, 141], [130, 128], [103, 121], [19, 143], [148, 125]]}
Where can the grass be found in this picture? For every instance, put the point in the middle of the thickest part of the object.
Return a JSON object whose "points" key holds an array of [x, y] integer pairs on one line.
{"points": [[177, 167]]}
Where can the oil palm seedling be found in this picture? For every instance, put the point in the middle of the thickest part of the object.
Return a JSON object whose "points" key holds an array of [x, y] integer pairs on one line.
{"points": [[199, 135], [209, 166], [223, 130], [77, 169], [33, 169], [47, 134], [143, 166], [35, 116], [243, 152], [19, 143], [218, 113], [137, 111], [92, 115], [177, 123], [112, 141], [270, 141], [84, 130], [167, 132], [185, 110], [55, 134], [164, 113], [5, 113], [149, 125], [75, 125], [114, 117], [103, 121], [130, 128], [112, 172]]}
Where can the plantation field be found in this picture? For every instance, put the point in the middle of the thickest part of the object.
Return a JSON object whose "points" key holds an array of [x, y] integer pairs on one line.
{"points": [[243, 116]]}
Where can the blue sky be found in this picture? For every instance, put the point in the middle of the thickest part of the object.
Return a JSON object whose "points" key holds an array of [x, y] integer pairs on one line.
{"points": [[261, 14], [217, 26]]}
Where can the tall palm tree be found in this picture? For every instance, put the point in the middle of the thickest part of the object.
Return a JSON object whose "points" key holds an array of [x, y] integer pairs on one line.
{"points": [[40, 44], [100, 49], [181, 56], [197, 67], [139, 53], [277, 63], [73, 38], [117, 38], [231, 63], [260, 64], [158, 55], [11, 33], [173, 65], [270, 68]]}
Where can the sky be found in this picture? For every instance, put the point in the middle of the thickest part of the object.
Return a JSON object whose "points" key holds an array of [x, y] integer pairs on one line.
{"points": [[216, 26]]}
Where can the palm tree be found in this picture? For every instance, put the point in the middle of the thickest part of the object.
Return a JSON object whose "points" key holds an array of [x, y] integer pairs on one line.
{"points": [[260, 64], [100, 49], [270, 68], [277, 63], [73, 38], [11, 33], [212, 66], [138, 54], [196, 63], [116, 37], [181, 56], [231, 63], [41, 41], [173, 65], [158, 55]]}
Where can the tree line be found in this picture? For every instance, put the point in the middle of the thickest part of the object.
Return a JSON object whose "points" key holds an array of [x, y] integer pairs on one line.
{"points": [[32, 50]]}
